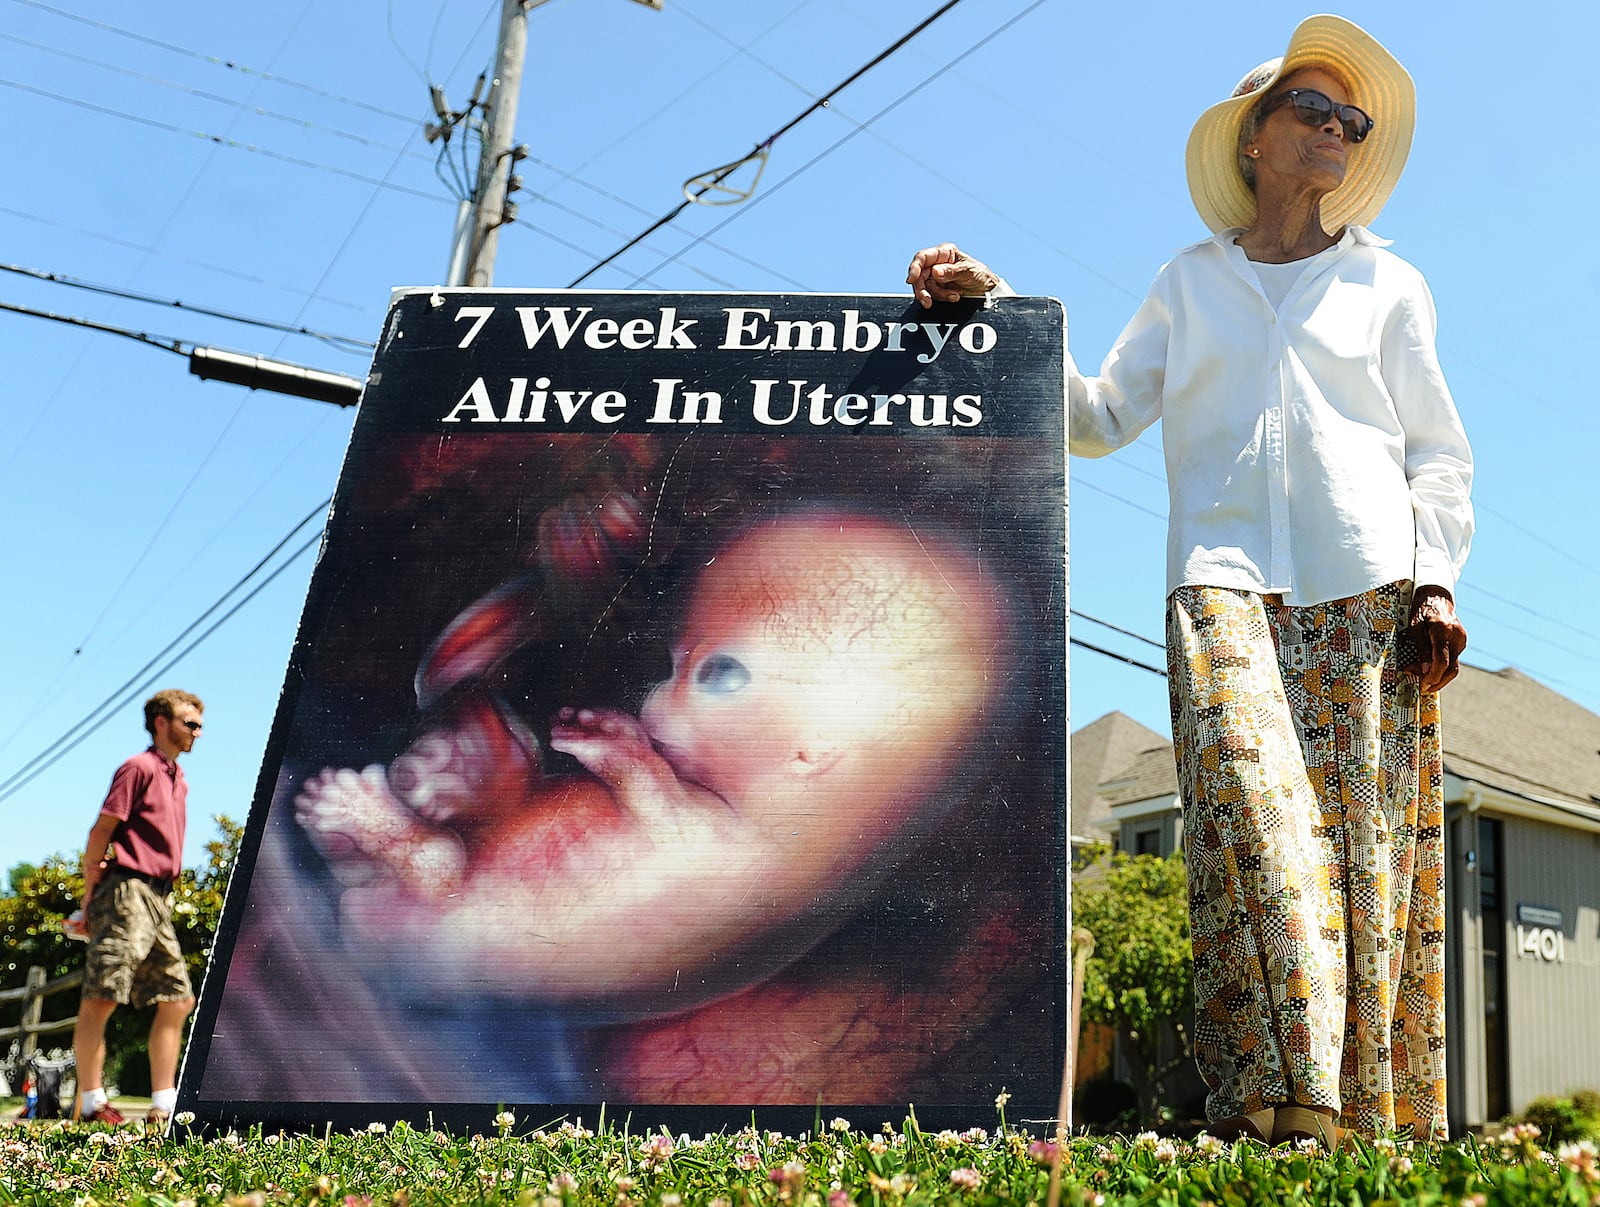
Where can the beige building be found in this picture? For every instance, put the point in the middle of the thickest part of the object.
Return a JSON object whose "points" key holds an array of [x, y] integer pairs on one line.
{"points": [[1522, 818]]}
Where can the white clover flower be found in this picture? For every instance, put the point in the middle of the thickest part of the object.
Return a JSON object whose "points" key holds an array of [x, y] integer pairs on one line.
{"points": [[1166, 1151], [183, 1118], [1001, 1099], [377, 1129], [840, 1125], [1145, 1140], [505, 1121], [1208, 1145]]}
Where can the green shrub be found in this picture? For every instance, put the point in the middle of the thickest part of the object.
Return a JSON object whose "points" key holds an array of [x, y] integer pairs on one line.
{"points": [[1563, 1120]]}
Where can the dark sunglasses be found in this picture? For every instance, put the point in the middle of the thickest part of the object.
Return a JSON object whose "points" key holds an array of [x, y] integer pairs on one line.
{"points": [[191, 726], [1314, 109]]}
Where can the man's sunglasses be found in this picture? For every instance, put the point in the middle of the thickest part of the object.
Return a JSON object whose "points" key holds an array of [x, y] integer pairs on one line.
{"points": [[1314, 109], [191, 726]]}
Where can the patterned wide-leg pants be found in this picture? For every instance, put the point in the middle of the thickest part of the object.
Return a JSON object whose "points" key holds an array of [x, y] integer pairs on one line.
{"points": [[1313, 808]]}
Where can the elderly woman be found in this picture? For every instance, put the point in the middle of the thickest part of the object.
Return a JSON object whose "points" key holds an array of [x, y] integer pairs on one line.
{"points": [[1319, 519]]}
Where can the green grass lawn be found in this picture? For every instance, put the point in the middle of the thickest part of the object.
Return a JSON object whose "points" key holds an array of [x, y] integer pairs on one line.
{"points": [[842, 1166]]}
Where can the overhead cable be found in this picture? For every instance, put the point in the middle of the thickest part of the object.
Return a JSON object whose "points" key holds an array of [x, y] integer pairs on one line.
{"points": [[345, 342], [714, 179], [821, 155], [1106, 624], [214, 60], [135, 245], [167, 343], [221, 141], [140, 680], [1144, 666], [216, 97]]}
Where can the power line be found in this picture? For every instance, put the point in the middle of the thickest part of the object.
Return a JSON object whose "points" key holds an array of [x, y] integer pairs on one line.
{"points": [[1101, 490], [167, 343], [815, 159], [1144, 666], [658, 111], [1106, 624], [545, 199], [56, 278], [215, 61], [1588, 634], [762, 148], [1534, 536], [219, 140], [132, 686], [568, 243], [216, 97], [921, 161], [148, 250]]}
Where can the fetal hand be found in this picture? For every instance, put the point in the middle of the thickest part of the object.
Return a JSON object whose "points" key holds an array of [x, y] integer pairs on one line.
{"points": [[610, 744]]}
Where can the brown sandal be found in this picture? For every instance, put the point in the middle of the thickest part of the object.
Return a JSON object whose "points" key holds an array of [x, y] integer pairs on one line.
{"points": [[1255, 1126], [1303, 1123]]}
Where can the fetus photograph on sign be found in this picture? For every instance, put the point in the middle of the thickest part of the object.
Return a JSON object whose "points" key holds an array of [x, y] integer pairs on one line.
{"points": [[686, 768]]}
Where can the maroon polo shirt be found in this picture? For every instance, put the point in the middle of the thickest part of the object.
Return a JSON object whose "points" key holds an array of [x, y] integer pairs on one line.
{"points": [[148, 793]]}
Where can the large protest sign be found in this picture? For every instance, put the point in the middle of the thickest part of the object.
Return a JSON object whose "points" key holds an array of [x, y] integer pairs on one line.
{"points": [[677, 722]]}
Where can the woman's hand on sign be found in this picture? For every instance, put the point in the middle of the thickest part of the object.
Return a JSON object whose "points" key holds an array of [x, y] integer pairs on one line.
{"points": [[946, 274], [1438, 636]]}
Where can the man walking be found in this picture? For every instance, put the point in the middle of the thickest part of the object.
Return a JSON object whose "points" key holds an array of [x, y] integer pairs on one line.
{"points": [[134, 854]]}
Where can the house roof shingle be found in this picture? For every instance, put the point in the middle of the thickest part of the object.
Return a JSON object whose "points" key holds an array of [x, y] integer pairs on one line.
{"points": [[1508, 731], [1099, 750]]}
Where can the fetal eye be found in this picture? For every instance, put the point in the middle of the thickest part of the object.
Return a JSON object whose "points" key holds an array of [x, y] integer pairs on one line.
{"points": [[721, 675]]}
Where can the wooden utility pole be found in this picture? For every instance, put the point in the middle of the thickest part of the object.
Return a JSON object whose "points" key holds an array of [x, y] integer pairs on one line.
{"points": [[478, 223], [494, 165]]}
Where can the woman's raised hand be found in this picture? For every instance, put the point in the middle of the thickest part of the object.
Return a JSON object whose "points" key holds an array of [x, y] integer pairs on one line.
{"points": [[946, 273]]}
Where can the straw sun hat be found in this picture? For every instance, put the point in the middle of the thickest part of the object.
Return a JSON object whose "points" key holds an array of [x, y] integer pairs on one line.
{"points": [[1377, 84]]}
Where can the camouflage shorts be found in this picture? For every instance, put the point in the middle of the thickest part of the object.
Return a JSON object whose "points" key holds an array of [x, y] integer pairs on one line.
{"points": [[134, 956]]}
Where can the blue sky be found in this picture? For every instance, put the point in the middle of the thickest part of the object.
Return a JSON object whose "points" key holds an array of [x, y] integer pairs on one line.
{"points": [[268, 161]]}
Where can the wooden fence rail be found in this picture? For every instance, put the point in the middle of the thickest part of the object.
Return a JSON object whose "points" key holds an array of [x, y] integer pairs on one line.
{"points": [[32, 995]]}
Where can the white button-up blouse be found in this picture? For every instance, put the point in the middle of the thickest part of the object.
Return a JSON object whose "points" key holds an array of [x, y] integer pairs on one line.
{"points": [[1312, 450]]}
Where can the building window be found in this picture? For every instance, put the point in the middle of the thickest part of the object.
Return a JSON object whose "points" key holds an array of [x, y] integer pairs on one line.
{"points": [[1147, 841], [1491, 908]]}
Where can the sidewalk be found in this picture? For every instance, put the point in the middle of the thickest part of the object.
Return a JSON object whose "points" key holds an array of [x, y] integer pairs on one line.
{"points": [[134, 1109]]}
